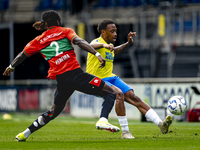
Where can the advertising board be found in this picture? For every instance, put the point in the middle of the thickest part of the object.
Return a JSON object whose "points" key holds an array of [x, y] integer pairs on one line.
{"points": [[8, 100], [156, 95]]}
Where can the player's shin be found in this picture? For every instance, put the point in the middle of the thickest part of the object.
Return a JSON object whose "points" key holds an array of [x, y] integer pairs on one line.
{"points": [[107, 105], [42, 120], [123, 123]]}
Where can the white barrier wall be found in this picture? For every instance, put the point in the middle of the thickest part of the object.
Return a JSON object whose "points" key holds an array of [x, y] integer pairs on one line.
{"points": [[155, 94], [83, 105], [46, 98], [8, 99], [41, 98]]}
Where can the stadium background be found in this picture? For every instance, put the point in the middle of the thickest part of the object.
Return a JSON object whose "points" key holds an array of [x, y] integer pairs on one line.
{"points": [[163, 61]]}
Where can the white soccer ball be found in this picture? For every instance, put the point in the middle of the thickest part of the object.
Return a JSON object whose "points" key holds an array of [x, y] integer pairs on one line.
{"points": [[177, 105]]}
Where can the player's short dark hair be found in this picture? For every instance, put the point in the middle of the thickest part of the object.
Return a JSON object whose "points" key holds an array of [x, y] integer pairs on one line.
{"points": [[103, 24]]}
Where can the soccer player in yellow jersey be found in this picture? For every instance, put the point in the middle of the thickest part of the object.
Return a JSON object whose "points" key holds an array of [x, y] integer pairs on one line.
{"points": [[104, 45]]}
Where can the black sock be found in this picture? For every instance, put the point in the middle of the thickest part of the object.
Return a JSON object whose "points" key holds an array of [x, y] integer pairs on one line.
{"points": [[108, 103], [47, 116], [35, 126]]}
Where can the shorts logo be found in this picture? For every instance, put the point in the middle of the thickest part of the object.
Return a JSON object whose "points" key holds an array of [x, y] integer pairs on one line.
{"points": [[95, 81]]}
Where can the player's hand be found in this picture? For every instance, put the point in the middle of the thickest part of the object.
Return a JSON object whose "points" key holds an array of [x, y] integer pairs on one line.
{"points": [[130, 37], [102, 61], [8, 71], [109, 46]]}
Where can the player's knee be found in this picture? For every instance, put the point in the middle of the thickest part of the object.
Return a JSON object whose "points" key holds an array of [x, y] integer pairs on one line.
{"points": [[119, 95], [110, 97], [113, 95], [131, 95]]}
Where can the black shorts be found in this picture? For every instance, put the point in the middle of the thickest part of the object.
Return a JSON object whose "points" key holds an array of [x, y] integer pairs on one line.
{"points": [[78, 80]]}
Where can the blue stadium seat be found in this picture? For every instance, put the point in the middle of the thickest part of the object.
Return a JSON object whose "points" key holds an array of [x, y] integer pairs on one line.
{"points": [[135, 2], [124, 3], [4, 4], [60, 4], [104, 3], [188, 25], [191, 1], [53, 4], [45, 4]]}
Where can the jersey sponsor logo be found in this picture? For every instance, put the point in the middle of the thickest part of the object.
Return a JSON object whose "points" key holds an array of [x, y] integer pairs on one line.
{"points": [[50, 36], [109, 56], [95, 81], [61, 59]]}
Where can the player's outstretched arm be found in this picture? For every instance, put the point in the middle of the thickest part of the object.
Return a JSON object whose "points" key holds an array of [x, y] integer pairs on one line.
{"points": [[101, 45], [87, 47], [18, 60], [122, 47]]}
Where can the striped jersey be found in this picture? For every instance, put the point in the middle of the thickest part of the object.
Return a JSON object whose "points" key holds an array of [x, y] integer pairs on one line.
{"points": [[55, 45]]}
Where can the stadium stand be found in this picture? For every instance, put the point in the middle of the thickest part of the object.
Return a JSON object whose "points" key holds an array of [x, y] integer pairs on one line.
{"points": [[4, 4], [137, 15]]}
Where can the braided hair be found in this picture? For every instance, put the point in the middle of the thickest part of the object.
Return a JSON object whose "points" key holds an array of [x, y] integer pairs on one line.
{"points": [[49, 18]]}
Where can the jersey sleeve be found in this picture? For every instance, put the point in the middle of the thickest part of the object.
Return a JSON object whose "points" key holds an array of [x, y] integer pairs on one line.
{"points": [[70, 34], [31, 48]]}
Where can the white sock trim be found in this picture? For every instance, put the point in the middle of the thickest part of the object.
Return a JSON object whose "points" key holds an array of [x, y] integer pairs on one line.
{"points": [[153, 116], [27, 132], [123, 123]]}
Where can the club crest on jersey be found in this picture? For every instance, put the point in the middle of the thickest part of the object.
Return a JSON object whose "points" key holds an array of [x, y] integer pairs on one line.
{"points": [[95, 81]]}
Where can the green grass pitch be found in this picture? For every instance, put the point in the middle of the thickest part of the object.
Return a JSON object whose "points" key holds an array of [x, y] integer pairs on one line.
{"points": [[80, 134]]}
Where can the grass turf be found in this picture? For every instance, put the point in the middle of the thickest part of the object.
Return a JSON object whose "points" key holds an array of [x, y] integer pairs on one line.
{"points": [[79, 134]]}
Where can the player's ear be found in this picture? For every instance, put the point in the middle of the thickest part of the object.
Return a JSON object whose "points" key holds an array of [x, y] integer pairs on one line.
{"points": [[59, 22], [103, 32]]}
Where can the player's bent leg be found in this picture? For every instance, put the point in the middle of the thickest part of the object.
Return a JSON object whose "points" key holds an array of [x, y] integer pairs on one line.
{"points": [[41, 121], [133, 99], [119, 104], [145, 109], [109, 96], [121, 113]]}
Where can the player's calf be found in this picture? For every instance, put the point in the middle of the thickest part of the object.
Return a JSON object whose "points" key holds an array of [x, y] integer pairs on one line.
{"points": [[42, 120]]}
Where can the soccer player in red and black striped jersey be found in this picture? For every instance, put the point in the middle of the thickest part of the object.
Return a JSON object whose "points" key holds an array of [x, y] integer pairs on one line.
{"points": [[55, 45]]}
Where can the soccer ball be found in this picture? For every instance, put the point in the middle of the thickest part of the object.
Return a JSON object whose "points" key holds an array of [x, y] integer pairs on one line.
{"points": [[177, 105]]}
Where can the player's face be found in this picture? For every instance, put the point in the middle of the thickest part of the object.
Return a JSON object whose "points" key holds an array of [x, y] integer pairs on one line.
{"points": [[111, 34]]}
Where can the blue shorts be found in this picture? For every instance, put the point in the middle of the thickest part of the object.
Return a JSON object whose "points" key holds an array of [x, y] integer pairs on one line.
{"points": [[116, 81]]}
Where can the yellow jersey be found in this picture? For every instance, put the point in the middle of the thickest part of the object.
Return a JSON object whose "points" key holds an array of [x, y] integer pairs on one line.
{"points": [[92, 66]]}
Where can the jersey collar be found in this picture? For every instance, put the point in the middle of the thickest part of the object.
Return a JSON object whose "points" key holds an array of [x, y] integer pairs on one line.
{"points": [[51, 27], [103, 40]]}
